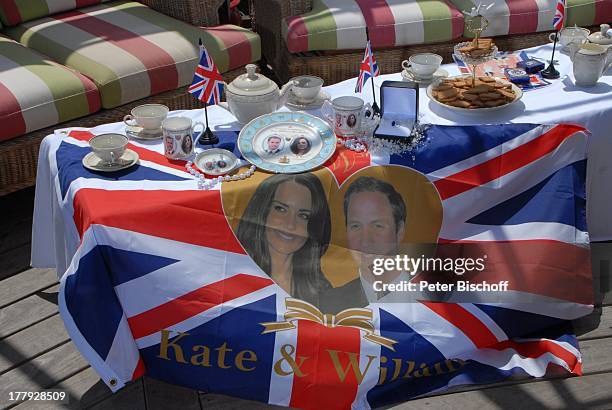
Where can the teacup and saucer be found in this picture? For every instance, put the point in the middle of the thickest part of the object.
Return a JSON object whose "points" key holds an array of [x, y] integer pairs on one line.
{"points": [[306, 93], [423, 68], [109, 153], [145, 121]]}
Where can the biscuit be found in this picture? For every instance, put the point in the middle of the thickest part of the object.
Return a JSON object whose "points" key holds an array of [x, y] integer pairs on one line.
{"points": [[447, 93], [459, 103], [494, 103], [507, 94]]}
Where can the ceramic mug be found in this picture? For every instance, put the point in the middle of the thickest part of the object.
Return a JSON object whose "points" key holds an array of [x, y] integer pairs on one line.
{"points": [[108, 147], [147, 116], [423, 65], [306, 88], [178, 136], [569, 35], [346, 114]]}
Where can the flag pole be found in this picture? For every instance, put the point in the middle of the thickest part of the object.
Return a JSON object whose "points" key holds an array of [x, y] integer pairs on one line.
{"points": [[207, 137], [551, 72], [374, 106]]}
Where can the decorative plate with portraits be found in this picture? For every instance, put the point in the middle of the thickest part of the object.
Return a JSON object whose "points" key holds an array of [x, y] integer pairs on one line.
{"points": [[287, 142]]}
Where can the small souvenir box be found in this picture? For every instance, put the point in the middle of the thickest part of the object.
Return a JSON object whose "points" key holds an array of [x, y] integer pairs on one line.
{"points": [[531, 66], [399, 109], [517, 75]]}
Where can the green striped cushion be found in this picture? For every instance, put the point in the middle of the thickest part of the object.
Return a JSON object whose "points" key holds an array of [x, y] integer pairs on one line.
{"points": [[36, 93], [530, 16], [13, 12], [340, 24], [131, 51]]}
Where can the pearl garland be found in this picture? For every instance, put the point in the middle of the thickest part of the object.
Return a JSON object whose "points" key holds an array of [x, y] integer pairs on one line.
{"points": [[206, 184], [353, 144]]}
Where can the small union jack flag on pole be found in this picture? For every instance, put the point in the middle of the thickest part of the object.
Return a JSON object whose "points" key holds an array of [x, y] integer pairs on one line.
{"points": [[559, 15], [207, 83], [367, 69]]}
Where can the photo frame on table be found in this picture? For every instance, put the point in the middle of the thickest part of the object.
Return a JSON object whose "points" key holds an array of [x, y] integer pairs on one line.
{"points": [[399, 109]]}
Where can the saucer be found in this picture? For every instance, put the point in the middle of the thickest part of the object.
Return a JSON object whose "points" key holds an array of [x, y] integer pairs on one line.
{"points": [[94, 163], [408, 75], [142, 134], [293, 102]]}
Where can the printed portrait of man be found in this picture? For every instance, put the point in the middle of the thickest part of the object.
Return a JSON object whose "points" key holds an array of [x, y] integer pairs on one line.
{"points": [[375, 220], [272, 144]]}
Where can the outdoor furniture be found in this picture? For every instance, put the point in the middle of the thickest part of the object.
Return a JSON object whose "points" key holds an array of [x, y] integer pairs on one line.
{"points": [[105, 59], [327, 38]]}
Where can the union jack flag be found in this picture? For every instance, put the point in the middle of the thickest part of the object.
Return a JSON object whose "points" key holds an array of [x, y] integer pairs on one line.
{"points": [[559, 16], [207, 84], [148, 285], [367, 69]]}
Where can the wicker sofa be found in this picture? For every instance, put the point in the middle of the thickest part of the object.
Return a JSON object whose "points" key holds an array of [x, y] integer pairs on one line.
{"points": [[91, 66], [326, 37]]}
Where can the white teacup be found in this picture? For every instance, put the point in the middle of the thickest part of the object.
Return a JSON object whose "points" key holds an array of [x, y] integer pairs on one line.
{"points": [[108, 147], [423, 65], [306, 87], [147, 116], [569, 35], [346, 114]]}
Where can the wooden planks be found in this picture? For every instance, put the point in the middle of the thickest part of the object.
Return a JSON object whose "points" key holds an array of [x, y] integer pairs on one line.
{"points": [[26, 312], [162, 396], [25, 284]]}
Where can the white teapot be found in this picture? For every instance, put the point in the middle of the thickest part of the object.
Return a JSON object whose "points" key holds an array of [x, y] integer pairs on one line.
{"points": [[252, 94], [590, 62]]}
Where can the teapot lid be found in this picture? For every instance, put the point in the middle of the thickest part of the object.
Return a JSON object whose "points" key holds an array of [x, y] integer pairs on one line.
{"points": [[591, 49], [252, 83], [602, 37]]}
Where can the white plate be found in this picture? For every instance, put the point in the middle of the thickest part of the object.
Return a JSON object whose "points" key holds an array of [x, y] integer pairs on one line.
{"points": [[517, 91], [215, 155], [142, 134], [408, 75], [92, 162], [293, 102], [288, 128]]}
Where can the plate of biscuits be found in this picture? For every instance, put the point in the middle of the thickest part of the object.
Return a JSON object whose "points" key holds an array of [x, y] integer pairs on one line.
{"points": [[486, 94]]}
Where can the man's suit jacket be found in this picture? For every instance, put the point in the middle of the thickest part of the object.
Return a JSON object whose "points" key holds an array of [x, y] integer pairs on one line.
{"points": [[350, 295]]}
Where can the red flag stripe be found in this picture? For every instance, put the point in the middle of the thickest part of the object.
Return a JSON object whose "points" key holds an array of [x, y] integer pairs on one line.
{"points": [[463, 320], [320, 375], [536, 348], [143, 153], [194, 303], [160, 65], [172, 215], [542, 267], [140, 369], [506, 163]]}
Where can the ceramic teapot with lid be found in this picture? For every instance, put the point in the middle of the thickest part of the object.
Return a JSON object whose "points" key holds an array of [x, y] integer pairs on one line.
{"points": [[252, 94], [590, 62], [602, 37]]}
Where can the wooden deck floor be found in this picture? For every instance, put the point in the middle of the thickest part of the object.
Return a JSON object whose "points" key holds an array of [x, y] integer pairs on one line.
{"points": [[36, 353]]}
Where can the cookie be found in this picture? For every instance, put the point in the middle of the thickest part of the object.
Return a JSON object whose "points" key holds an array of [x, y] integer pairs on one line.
{"points": [[494, 103]]}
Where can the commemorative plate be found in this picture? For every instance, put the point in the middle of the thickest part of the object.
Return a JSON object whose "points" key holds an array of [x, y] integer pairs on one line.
{"points": [[287, 142], [216, 161]]}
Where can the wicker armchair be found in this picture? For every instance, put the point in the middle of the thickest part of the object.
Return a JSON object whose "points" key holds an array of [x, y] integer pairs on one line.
{"points": [[335, 66], [195, 12]]}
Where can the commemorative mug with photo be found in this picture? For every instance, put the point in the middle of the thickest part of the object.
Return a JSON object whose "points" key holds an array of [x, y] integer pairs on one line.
{"points": [[178, 136], [346, 114]]}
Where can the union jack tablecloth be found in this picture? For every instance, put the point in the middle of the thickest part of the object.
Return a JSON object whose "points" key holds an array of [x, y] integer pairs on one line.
{"points": [[158, 283]]}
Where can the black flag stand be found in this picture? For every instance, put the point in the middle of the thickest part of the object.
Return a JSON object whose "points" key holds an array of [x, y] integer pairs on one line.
{"points": [[375, 105], [207, 137], [551, 72]]}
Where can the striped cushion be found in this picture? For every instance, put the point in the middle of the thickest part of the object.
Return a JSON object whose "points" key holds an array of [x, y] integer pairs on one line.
{"points": [[530, 16], [13, 12], [36, 93], [340, 24], [131, 51]]}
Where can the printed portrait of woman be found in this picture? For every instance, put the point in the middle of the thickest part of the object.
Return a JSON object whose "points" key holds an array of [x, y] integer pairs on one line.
{"points": [[351, 120], [187, 144], [286, 229], [300, 146]]}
